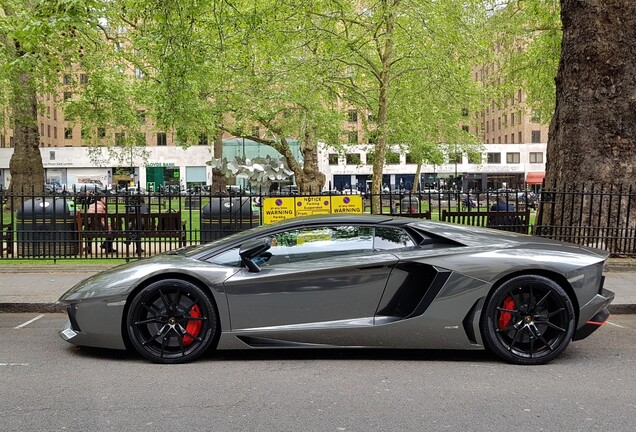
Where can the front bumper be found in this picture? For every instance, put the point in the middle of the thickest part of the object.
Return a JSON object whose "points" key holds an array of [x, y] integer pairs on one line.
{"points": [[597, 309]]}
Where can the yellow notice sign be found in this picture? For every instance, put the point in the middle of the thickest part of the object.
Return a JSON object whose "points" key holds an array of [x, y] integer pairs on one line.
{"points": [[277, 209], [312, 205], [346, 204], [281, 208]]}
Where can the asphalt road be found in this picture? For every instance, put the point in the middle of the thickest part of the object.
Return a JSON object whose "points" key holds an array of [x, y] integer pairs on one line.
{"points": [[47, 384]]}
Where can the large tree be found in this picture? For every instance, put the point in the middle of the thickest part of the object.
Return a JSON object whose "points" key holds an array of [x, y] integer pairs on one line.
{"points": [[391, 49]]}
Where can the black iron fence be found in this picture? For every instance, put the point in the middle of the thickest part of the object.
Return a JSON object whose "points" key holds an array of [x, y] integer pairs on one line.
{"points": [[135, 224]]}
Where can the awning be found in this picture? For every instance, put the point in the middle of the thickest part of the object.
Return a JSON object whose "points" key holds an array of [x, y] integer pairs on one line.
{"points": [[535, 178]]}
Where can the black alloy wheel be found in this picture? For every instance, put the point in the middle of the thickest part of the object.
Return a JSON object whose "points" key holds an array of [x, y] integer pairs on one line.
{"points": [[528, 320], [172, 321]]}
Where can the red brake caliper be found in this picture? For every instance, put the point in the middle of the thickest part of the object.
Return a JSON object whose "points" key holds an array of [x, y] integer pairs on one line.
{"points": [[194, 326], [505, 317]]}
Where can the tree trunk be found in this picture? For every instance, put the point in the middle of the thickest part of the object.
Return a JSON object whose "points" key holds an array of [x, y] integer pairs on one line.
{"points": [[27, 170], [310, 179], [592, 136], [416, 181], [219, 181]]}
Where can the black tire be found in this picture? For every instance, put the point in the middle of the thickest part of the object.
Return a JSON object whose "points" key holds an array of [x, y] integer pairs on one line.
{"points": [[528, 320], [172, 321]]}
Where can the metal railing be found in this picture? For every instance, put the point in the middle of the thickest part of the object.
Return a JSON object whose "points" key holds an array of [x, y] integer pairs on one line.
{"points": [[60, 225]]}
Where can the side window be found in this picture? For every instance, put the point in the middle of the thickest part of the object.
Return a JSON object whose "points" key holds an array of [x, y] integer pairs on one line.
{"points": [[391, 238], [228, 258], [319, 242], [306, 244]]}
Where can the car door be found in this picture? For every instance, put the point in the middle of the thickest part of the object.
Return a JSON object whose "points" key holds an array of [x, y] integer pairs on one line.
{"points": [[313, 274]]}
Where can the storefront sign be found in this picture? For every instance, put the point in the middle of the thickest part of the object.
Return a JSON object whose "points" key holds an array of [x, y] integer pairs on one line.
{"points": [[160, 164], [281, 208]]}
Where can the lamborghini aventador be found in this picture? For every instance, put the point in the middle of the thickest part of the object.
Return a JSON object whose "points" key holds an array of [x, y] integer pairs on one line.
{"points": [[348, 281]]}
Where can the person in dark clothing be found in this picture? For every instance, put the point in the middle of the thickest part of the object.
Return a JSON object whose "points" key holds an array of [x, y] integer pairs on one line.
{"points": [[137, 207], [502, 205]]}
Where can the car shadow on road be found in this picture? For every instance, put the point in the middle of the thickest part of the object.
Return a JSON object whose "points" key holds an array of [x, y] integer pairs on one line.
{"points": [[352, 354]]}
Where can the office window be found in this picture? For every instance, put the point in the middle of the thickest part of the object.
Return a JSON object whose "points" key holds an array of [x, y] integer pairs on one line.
{"points": [[67, 80], [162, 139], [203, 139], [352, 137], [11, 143], [370, 158], [455, 158], [142, 117], [54, 113], [48, 131], [493, 158], [512, 119], [536, 157], [48, 111], [519, 96], [392, 158], [352, 116], [120, 138], [536, 136], [505, 120], [333, 158], [68, 133], [101, 132], [353, 159], [410, 159], [55, 132], [498, 140], [67, 95], [520, 141], [505, 138], [83, 79], [493, 125], [512, 138], [2, 141], [41, 129], [499, 123], [474, 157], [513, 158]]}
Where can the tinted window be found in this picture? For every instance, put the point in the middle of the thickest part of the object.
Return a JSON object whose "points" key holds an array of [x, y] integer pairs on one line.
{"points": [[391, 238]]}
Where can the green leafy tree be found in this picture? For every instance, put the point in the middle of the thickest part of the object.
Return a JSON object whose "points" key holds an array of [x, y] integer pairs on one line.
{"points": [[390, 49]]}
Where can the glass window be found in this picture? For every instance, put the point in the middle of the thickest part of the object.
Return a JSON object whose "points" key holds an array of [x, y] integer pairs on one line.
{"points": [[306, 244], [536, 157], [119, 139], [391, 238], [68, 133], [352, 137], [494, 158], [536, 136], [161, 139], [392, 158], [352, 116], [333, 158], [513, 158], [83, 79], [474, 157], [353, 158]]}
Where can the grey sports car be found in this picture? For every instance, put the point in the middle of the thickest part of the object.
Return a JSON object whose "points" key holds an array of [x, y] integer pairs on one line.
{"points": [[348, 281]]}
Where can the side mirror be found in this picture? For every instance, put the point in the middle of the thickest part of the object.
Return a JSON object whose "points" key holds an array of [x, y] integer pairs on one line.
{"points": [[253, 248]]}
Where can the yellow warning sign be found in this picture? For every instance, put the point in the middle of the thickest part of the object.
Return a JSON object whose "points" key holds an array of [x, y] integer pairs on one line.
{"points": [[346, 204], [312, 205], [276, 209]]}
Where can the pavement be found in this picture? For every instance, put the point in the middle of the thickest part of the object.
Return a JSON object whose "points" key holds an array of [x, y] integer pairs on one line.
{"points": [[34, 288]]}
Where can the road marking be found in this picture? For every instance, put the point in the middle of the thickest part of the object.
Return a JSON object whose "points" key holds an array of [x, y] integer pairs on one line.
{"points": [[24, 324], [616, 325], [14, 364]]}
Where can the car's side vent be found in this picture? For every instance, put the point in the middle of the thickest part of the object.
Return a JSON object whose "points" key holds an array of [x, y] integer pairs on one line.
{"points": [[420, 284]]}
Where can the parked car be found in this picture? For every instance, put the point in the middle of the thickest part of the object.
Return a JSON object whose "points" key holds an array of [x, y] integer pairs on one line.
{"points": [[348, 281]]}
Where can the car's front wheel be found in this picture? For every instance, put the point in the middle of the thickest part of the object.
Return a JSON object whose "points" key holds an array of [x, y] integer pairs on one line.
{"points": [[528, 320], [171, 321]]}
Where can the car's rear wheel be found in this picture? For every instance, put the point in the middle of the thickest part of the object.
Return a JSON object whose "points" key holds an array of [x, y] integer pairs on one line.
{"points": [[171, 321], [528, 320]]}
